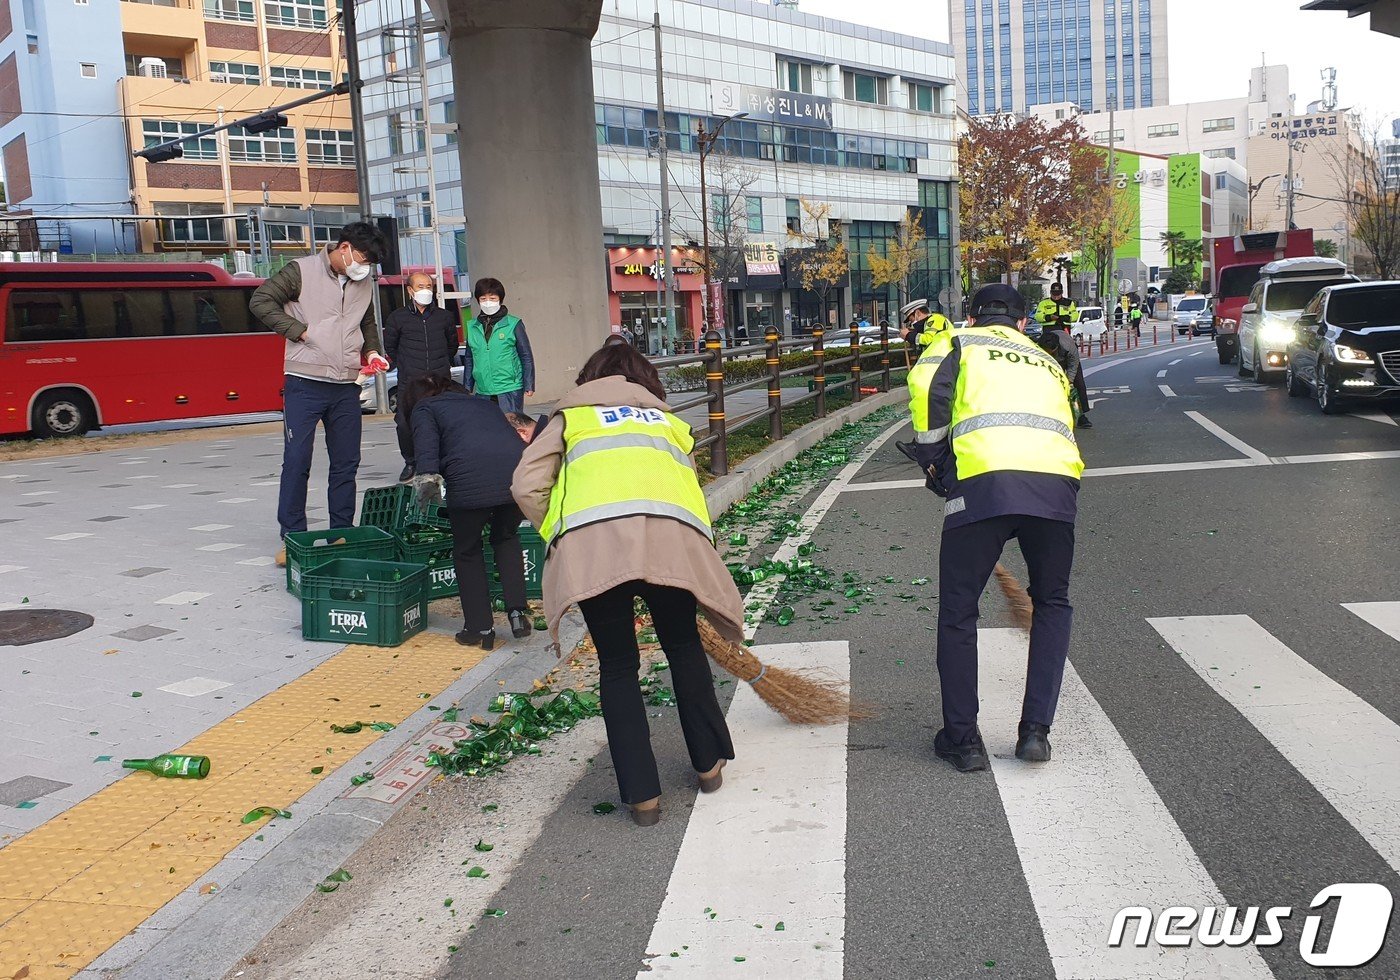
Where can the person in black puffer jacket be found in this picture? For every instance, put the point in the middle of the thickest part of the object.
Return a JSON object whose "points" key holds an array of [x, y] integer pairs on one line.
{"points": [[465, 439], [420, 339]]}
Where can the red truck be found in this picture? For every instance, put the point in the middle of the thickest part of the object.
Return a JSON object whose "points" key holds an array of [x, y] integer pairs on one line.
{"points": [[1235, 265]]}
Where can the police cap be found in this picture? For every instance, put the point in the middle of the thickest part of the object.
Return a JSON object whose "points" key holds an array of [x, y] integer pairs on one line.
{"points": [[911, 307], [998, 303]]}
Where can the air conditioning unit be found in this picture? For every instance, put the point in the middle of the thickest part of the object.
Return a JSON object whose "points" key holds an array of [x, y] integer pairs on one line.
{"points": [[217, 76], [151, 68]]}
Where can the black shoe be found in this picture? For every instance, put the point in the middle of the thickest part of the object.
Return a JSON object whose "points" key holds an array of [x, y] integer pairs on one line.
{"points": [[471, 638], [407, 473], [1033, 742], [519, 624], [1084, 422], [970, 756]]}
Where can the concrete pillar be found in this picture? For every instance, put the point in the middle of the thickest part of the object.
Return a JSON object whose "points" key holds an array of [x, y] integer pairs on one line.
{"points": [[523, 76]]}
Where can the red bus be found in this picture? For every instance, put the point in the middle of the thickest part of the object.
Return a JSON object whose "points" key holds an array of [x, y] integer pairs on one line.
{"points": [[85, 345], [1235, 265]]}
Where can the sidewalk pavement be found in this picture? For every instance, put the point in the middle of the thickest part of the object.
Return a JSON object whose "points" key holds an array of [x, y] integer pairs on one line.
{"points": [[197, 646]]}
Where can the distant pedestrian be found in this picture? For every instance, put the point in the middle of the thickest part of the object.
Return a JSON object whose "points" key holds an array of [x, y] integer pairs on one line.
{"points": [[421, 340], [633, 523], [1135, 319], [994, 436], [323, 305], [500, 364], [467, 441]]}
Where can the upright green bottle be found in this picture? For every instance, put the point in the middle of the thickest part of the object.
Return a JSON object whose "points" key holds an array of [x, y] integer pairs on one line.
{"points": [[172, 766]]}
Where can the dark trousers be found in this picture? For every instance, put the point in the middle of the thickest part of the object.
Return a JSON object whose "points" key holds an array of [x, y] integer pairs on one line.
{"points": [[609, 619], [511, 401], [965, 562], [473, 586], [403, 419], [337, 408], [1082, 388]]}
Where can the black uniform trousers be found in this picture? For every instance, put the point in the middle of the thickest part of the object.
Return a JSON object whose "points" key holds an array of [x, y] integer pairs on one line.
{"points": [[403, 416], [610, 622], [473, 585], [1082, 388], [966, 558]]}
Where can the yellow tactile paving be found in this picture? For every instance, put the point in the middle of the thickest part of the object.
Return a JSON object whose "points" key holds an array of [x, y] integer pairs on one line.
{"points": [[74, 886]]}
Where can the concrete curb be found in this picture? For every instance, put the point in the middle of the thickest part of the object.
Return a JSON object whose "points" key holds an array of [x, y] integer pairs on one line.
{"points": [[262, 882]]}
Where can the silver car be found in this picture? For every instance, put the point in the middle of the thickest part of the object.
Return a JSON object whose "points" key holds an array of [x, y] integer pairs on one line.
{"points": [[391, 379], [1184, 315]]}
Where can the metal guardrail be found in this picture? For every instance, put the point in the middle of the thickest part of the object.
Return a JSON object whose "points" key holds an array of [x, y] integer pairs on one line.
{"points": [[715, 354]]}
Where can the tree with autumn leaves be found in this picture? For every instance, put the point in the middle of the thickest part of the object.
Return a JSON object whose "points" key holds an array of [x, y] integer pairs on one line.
{"points": [[1027, 193]]}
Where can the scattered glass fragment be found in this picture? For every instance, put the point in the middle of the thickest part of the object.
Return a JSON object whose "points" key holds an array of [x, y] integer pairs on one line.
{"points": [[361, 779], [477, 871], [482, 846], [495, 913], [604, 807], [257, 813], [317, 770]]}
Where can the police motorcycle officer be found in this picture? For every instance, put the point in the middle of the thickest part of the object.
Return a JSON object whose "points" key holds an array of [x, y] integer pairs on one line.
{"points": [[994, 434]]}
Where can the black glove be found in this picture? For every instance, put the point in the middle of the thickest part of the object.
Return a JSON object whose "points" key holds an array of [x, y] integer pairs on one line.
{"points": [[924, 457]]}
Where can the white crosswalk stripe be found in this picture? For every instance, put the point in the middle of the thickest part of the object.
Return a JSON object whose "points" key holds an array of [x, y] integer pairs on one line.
{"points": [[1384, 616], [1092, 834], [1338, 742]]}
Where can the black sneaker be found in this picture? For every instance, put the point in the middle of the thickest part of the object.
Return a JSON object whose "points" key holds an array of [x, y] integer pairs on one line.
{"points": [[471, 638], [519, 623], [1084, 422], [969, 756], [407, 473], [1033, 742]]}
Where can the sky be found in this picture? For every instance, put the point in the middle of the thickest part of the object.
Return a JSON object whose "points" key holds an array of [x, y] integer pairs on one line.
{"points": [[1204, 62]]}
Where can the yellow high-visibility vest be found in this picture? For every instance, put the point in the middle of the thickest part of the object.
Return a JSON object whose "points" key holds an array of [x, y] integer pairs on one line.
{"points": [[622, 461]]}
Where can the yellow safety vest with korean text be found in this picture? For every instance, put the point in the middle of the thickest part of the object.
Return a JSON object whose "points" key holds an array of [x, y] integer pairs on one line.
{"points": [[622, 461]]}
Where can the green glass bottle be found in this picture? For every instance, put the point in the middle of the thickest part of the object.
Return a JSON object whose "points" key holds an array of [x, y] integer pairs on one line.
{"points": [[172, 766], [786, 616]]}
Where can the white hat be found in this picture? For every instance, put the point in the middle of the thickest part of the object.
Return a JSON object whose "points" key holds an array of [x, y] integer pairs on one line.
{"points": [[910, 307]]}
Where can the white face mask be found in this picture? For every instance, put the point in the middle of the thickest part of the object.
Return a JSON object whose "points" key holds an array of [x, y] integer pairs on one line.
{"points": [[490, 307], [355, 270], [423, 297]]}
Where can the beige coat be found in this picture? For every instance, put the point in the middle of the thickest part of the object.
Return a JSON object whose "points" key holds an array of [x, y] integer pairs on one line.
{"points": [[591, 559]]}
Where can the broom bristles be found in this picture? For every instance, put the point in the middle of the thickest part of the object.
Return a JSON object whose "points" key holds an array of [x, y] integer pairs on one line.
{"points": [[1018, 603], [803, 697]]}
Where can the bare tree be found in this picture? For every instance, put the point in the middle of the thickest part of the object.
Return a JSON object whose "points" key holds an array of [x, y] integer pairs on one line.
{"points": [[824, 265], [728, 180], [1370, 204]]}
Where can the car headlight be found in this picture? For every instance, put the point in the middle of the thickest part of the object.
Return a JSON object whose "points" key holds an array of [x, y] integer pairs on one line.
{"points": [[1350, 355], [1277, 333]]}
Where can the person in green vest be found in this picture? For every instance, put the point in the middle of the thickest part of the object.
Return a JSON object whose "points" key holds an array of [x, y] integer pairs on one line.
{"points": [[500, 364]]}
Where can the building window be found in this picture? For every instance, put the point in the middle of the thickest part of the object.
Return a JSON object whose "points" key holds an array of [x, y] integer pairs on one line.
{"points": [[794, 216], [297, 13], [1218, 125], [924, 98], [330, 147], [157, 131], [191, 224], [449, 116], [235, 73], [794, 76], [273, 146], [1167, 129], [1227, 153], [238, 10], [861, 87], [753, 207], [719, 212], [398, 126], [1102, 136], [174, 67], [300, 77], [87, 69]]}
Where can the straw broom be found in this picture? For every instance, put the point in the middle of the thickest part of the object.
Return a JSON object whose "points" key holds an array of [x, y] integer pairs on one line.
{"points": [[803, 697], [1018, 603]]}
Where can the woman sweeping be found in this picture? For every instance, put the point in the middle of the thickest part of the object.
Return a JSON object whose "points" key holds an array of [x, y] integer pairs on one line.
{"points": [[611, 486]]}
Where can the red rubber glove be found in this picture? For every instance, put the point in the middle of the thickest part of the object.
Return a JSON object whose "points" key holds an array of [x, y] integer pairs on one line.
{"points": [[376, 364]]}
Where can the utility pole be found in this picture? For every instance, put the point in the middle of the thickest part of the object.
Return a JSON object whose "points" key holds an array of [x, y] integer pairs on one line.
{"points": [[1288, 207], [662, 267], [230, 226], [1112, 176], [705, 142], [664, 241], [357, 126]]}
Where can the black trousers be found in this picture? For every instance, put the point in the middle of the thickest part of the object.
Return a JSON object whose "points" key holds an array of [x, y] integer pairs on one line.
{"points": [[965, 562], [609, 619], [403, 418], [1082, 388], [473, 586]]}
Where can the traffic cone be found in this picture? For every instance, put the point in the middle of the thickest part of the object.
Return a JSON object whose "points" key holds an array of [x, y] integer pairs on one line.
{"points": [[801, 697]]}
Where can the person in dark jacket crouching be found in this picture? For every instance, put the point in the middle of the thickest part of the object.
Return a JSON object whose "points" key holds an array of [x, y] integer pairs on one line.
{"points": [[465, 439]]}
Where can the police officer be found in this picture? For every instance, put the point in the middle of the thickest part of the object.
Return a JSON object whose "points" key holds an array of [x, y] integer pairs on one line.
{"points": [[918, 326], [1057, 317], [994, 434]]}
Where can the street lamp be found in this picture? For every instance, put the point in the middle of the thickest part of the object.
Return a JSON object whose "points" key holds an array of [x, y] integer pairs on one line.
{"points": [[707, 142], [1254, 190]]}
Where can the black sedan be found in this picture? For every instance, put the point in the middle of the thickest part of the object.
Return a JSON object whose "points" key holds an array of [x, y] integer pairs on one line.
{"points": [[1347, 345]]}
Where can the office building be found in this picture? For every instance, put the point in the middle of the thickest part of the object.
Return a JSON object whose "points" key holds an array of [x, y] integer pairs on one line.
{"points": [[1014, 55], [846, 129]]}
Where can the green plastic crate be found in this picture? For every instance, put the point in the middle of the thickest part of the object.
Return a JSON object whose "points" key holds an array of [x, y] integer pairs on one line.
{"points": [[352, 600], [308, 549], [386, 507], [435, 556], [532, 545]]}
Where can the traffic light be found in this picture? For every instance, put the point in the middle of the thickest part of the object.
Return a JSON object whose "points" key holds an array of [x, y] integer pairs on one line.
{"points": [[263, 122], [160, 154], [389, 261]]}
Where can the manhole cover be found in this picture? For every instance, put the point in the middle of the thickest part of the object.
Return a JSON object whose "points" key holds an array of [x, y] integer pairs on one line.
{"points": [[22, 626]]}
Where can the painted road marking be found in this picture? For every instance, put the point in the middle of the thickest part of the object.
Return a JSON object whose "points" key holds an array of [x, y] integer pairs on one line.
{"points": [[1305, 715], [1249, 388], [1232, 441], [1164, 389], [1196, 353], [1175, 362], [1375, 417], [1092, 818], [407, 769], [1384, 616], [1162, 373], [775, 855], [1094, 369]]}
